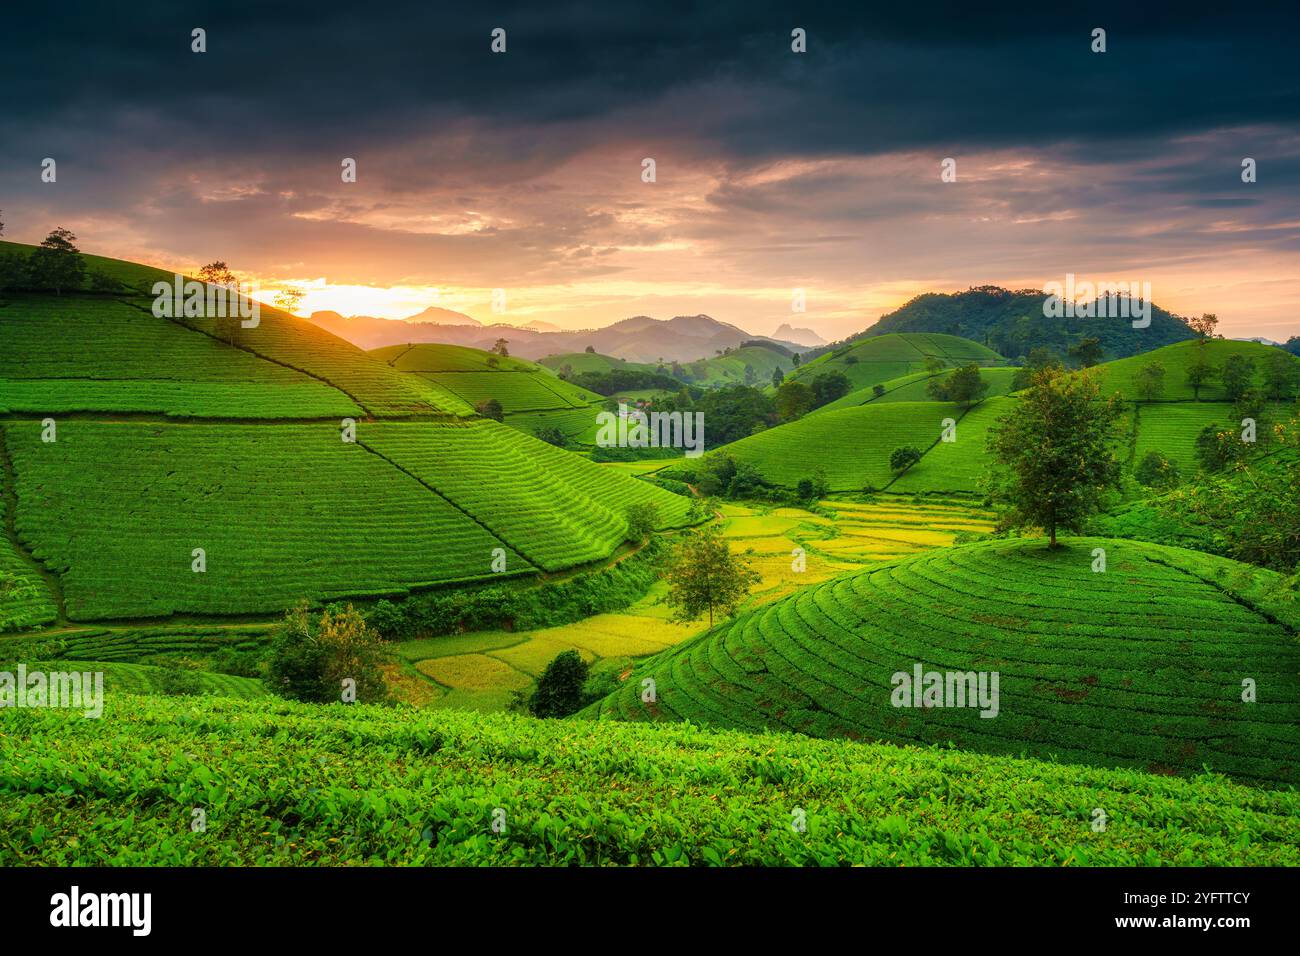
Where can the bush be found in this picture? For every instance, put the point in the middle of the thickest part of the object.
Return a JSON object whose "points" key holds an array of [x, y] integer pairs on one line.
{"points": [[309, 660], [551, 435], [559, 690], [1157, 471], [904, 457], [642, 519], [877, 390], [491, 409]]}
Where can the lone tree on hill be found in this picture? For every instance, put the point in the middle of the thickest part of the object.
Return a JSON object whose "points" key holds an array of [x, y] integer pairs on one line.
{"points": [[289, 299], [492, 409], [1237, 374], [500, 348], [1279, 377], [1150, 381], [1204, 326], [217, 273], [318, 660], [57, 264], [705, 576], [1052, 452], [1199, 371], [904, 457], [963, 386]]}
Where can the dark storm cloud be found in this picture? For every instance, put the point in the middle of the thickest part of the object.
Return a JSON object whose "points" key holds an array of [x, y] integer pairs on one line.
{"points": [[284, 76]]}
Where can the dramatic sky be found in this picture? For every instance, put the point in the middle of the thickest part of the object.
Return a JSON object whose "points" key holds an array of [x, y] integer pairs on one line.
{"points": [[522, 171]]}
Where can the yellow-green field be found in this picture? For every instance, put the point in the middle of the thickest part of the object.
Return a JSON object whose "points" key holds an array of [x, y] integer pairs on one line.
{"points": [[789, 547]]}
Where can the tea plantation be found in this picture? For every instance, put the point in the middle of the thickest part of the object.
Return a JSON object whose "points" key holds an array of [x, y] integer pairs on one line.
{"points": [[1141, 665], [294, 784]]}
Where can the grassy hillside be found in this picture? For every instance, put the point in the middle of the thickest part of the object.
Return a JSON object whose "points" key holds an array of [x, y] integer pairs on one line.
{"points": [[851, 445], [729, 369], [914, 388], [475, 376], [880, 360], [580, 362], [1140, 666], [135, 277], [292, 784], [1120, 376]]}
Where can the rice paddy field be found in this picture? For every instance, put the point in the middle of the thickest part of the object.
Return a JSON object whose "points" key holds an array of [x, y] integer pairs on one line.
{"points": [[482, 671], [1140, 666]]}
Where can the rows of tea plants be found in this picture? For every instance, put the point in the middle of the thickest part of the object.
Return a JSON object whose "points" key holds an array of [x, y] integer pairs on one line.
{"points": [[293, 784], [282, 512], [25, 597], [579, 425], [370, 382], [516, 391], [553, 507], [1122, 375], [1140, 665], [69, 354], [878, 359], [851, 445], [121, 678]]}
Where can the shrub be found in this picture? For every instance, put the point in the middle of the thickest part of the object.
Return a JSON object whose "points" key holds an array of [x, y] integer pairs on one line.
{"points": [[1156, 471], [309, 660], [642, 519], [904, 457], [491, 408], [559, 690]]}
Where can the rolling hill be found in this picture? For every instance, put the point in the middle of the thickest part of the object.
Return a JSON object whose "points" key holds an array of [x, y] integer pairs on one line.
{"points": [[1141, 666], [190, 468], [851, 438], [879, 360], [475, 376], [1013, 323]]}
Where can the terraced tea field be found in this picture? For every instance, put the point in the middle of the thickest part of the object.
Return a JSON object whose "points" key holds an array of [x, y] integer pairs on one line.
{"points": [[852, 445], [122, 539], [297, 784], [475, 376], [884, 358], [1121, 375], [1140, 666], [112, 357], [482, 671]]}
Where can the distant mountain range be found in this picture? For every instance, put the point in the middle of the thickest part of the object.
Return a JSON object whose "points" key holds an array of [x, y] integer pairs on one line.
{"points": [[806, 337], [641, 338]]}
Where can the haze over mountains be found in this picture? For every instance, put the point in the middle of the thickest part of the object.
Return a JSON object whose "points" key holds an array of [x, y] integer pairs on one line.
{"points": [[640, 338]]}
